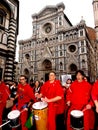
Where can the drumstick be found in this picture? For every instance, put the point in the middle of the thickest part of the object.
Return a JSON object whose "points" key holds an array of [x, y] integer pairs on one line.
{"points": [[23, 110], [4, 123], [84, 109]]}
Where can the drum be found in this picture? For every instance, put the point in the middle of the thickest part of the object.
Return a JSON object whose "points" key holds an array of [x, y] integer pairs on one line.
{"points": [[40, 110], [13, 116], [77, 119]]}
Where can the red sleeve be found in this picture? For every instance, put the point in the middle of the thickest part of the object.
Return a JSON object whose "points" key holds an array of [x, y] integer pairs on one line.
{"points": [[69, 93], [31, 93], [44, 88], [59, 90], [91, 101], [94, 92], [6, 93]]}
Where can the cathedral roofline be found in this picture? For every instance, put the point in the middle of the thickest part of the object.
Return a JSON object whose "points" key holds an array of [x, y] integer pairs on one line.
{"points": [[68, 20], [58, 6], [25, 41], [94, 1], [91, 33]]}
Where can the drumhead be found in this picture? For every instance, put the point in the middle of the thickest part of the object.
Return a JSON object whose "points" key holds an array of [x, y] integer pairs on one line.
{"points": [[40, 105], [76, 113], [13, 114]]}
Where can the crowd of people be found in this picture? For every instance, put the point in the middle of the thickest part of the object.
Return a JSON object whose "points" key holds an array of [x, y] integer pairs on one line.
{"points": [[78, 95]]}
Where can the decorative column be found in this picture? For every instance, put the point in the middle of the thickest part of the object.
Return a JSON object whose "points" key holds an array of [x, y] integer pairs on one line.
{"points": [[9, 68]]}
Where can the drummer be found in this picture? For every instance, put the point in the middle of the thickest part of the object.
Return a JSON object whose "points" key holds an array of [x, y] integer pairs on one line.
{"points": [[4, 95], [52, 93], [24, 95], [78, 98]]}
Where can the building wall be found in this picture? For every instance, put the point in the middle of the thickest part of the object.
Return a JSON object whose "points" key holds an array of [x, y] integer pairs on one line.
{"points": [[9, 14], [95, 10], [56, 45]]}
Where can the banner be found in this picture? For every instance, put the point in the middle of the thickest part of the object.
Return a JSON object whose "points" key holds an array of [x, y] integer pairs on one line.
{"points": [[64, 78]]}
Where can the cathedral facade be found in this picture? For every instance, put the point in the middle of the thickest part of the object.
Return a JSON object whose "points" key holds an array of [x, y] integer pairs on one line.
{"points": [[9, 14], [57, 45]]}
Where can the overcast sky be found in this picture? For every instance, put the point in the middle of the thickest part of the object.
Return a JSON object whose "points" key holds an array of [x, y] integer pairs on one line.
{"points": [[74, 10]]}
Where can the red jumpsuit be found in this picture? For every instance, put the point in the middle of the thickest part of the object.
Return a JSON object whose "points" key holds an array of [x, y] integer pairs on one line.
{"points": [[95, 97], [79, 95], [51, 90], [95, 91], [25, 94], [4, 94]]}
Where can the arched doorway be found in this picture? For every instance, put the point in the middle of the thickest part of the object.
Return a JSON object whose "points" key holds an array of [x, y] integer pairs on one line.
{"points": [[46, 77], [26, 73], [47, 67], [73, 69]]}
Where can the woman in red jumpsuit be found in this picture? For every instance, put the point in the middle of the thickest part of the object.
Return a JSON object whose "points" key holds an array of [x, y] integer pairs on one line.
{"points": [[24, 95], [4, 94], [78, 98], [95, 94], [95, 99], [53, 94]]}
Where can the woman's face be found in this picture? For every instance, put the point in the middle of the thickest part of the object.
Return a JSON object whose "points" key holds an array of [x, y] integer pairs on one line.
{"points": [[36, 83], [68, 81], [52, 77], [79, 77], [85, 78]]}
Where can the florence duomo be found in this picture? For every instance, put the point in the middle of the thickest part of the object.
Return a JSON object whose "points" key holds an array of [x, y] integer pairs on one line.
{"points": [[54, 83], [58, 45], [55, 44]]}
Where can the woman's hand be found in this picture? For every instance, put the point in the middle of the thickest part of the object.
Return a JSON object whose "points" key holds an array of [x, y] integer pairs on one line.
{"points": [[12, 99], [68, 103], [45, 99], [37, 95], [96, 104], [88, 106]]}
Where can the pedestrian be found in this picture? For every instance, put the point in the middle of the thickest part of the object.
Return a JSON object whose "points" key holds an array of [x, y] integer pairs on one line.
{"points": [[36, 88], [68, 83], [32, 83], [41, 82], [66, 87], [13, 89]]}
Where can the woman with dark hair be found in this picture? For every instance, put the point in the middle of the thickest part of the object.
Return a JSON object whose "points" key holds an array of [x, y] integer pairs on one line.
{"points": [[13, 89], [36, 86], [65, 88], [79, 98], [68, 83]]}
